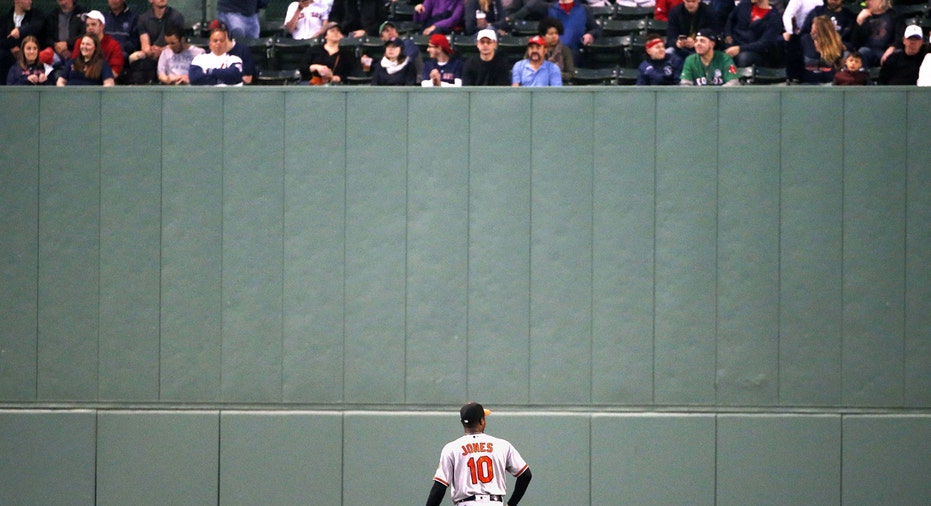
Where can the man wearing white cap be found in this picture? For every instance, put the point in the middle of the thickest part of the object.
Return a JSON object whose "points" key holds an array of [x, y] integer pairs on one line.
{"points": [[902, 66], [488, 67], [473, 467], [94, 23], [924, 73]]}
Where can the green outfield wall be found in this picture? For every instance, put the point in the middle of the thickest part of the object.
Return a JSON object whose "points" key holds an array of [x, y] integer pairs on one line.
{"points": [[282, 295]]}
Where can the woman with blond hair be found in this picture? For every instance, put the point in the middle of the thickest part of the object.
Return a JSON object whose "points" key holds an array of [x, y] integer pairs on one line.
{"points": [[822, 50], [90, 68]]}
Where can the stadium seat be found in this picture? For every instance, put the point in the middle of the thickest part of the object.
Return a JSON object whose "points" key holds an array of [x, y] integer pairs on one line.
{"points": [[612, 27], [627, 76], [288, 52], [277, 77], [588, 77], [604, 52], [624, 12]]}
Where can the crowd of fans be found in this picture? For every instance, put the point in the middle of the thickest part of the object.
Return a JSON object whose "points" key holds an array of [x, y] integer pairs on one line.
{"points": [[706, 42]]}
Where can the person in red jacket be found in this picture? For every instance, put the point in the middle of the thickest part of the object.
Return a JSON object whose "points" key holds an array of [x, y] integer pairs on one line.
{"points": [[111, 49]]}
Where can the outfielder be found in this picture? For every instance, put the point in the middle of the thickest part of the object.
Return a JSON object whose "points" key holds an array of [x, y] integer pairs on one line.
{"points": [[473, 466]]}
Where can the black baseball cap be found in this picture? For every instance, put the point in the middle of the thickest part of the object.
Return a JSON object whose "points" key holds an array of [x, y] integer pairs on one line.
{"points": [[472, 412], [707, 33]]}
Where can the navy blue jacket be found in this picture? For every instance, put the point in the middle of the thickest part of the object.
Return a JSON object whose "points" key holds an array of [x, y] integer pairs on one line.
{"points": [[758, 37]]}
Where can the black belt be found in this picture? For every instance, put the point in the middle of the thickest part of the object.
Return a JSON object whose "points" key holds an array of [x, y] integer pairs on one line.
{"points": [[493, 498]]}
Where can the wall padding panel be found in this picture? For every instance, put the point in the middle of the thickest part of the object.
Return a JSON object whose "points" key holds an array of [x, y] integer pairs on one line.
{"points": [[47, 458], [156, 458], [778, 459], [191, 252], [653, 459], [437, 258], [811, 252], [623, 234], [314, 247], [499, 248], [886, 460], [19, 255], [130, 242], [280, 458]]}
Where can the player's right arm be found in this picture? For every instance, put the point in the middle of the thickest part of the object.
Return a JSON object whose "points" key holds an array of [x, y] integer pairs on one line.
{"points": [[436, 494]]}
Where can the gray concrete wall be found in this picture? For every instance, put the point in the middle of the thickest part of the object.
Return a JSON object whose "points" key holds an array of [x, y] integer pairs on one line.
{"points": [[669, 296]]}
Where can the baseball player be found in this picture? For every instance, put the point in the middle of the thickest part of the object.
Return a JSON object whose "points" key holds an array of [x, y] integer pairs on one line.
{"points": [[473, 466]]}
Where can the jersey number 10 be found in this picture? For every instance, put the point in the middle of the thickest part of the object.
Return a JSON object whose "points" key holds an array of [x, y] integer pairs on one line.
{"points": [[481, 469]]}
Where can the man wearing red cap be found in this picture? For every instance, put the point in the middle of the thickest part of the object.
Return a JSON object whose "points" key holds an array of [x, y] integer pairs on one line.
{"points": [[535, 70], [473, 467], [442, 68]]}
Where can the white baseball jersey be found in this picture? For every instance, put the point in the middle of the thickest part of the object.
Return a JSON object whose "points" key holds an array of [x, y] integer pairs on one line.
{"points": [[475, 464], [311, 18]]}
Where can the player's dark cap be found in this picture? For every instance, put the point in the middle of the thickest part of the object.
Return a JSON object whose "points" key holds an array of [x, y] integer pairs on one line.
{"points": [[472, 413], [707, 33]]}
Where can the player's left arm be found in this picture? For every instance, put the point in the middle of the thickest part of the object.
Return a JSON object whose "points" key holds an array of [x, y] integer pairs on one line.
{"points": [[436, 494], [520, 486]]}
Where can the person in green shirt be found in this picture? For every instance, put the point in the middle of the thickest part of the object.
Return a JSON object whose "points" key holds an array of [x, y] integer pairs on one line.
{"points": [[708, 67]]}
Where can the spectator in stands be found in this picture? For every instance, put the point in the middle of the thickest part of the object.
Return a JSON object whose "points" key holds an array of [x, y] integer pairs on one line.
{"points": [[793, 18], [174, 65], [90, 68], [658, 68], [443, 68], [753, 35], [853, 73], [551, 29], [358, 17], [875, 33], [662, 8], [143, 64], [440, 16], [323, 64], [924, 72], [305, 19], [217, 67], [822, 52], [123, 25], [245, 54], [535, 70], [488, 67], [20, 22], [684, 21], [241, 16], [521, 10], [62, 29], [109, 47], [708, 67], [579, 26], [29, 70], [394, 69], [903, 65], [843, 18], [482, 14], [388, 31]]}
